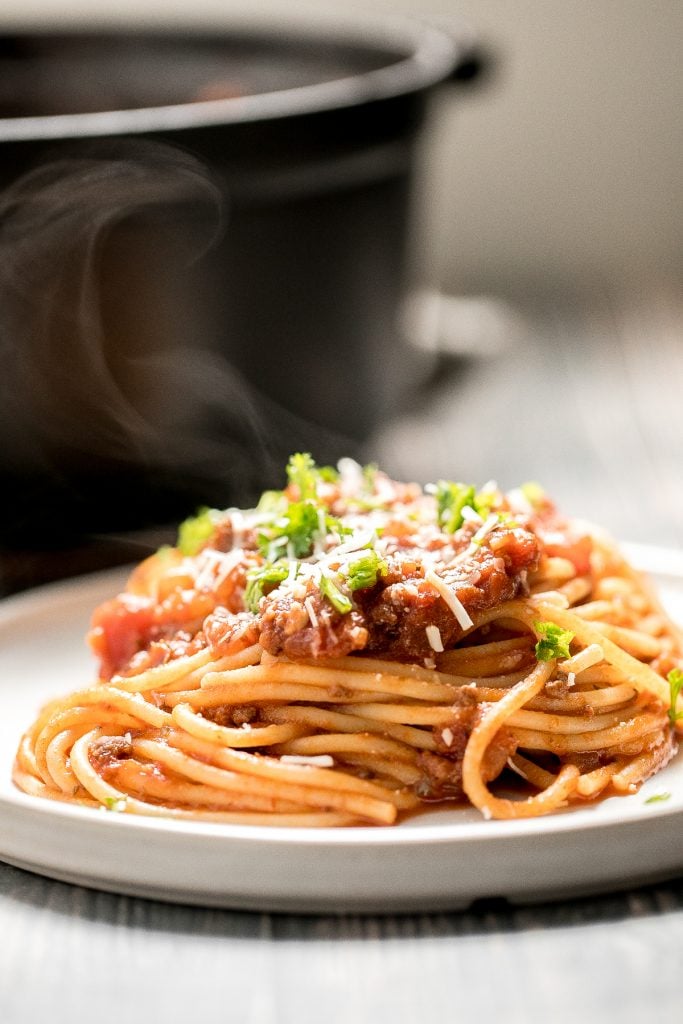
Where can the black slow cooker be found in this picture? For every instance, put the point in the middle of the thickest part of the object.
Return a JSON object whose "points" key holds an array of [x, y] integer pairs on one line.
{"points": [[204, 249]]}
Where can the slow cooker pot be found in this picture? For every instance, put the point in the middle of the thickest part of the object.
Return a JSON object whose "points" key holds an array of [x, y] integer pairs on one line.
{"points": [[205, 247]]}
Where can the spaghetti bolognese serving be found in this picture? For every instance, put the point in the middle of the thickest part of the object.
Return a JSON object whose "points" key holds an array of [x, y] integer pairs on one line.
{"points": [[354, 648]]}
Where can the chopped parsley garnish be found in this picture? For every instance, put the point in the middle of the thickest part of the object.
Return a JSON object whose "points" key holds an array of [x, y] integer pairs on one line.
{"points": [[553, 641], [451, 499], [302, 473], [263, 579], [533, 493], [675, 680], [196, 531], [370, 477], [272, 503], [658, 798], [295, 532], [115, 803], [364, 570], [329, 474], [165, 554], [483, 502], [296, 526], [330, 590]]}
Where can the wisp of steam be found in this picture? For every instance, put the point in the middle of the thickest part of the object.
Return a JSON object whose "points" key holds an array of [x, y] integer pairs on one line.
{"points": [[118, 406]]}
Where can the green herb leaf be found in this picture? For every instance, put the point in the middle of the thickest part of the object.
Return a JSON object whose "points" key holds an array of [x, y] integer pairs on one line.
{"points": [[533, 493], [484, 502], [553, 641], [272, 503], [196, 531], [370, 476], [331, 591], [364, 570], [675, 680], [262, 580], [293, 532], [302, 473], [165, 553], [658, 798], [115, 803], [451, 499]]}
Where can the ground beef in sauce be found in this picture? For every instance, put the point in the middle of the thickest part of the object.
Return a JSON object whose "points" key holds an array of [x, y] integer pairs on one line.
{"points": [[286, 628], [228, 632], [132, 633], [224, 537], [391, 618], [442, 770], [159, 652], [105, 752], [231, 716]]}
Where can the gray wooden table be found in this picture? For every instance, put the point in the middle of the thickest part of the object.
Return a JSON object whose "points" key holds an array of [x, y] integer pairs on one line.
{"points": [[589, 404]]}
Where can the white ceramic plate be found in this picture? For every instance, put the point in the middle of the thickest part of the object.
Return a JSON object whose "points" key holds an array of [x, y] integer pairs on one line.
{"points": [[440, 860]]}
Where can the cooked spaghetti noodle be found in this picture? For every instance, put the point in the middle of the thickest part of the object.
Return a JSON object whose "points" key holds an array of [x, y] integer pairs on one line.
{"points": [[354, 648]]}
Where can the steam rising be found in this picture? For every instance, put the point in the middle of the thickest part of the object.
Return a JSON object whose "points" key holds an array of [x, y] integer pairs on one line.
{"points": [[117, 405]]}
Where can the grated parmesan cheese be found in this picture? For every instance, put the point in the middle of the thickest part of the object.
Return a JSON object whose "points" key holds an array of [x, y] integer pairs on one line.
{"points": [[308, 605], [519, 502], [434, 638], [455, 605], [350, 477], [240, 527], [483, 531], [316, 761], [516, 770], [360, 539], [470, 515], [205, 575], [228, 562], [320, 539], [552, 597], [447, 736], [587, 658]]}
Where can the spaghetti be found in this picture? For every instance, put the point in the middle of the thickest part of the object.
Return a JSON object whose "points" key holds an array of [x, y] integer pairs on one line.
{"points": [[354, 648]]}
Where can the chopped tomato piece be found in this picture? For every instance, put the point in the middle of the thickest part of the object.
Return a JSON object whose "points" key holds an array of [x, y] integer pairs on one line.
{"points": [[576, 550], [118, 631]]}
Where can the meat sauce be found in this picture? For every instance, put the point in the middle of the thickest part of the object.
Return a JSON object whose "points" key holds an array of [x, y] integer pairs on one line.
{"points": [[178, 603]]}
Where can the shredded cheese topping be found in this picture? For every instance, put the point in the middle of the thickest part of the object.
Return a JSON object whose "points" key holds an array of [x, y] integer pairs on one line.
{"points": [[587, 658], [434, 638], [314, 761], [308, 605], [455, 605]]}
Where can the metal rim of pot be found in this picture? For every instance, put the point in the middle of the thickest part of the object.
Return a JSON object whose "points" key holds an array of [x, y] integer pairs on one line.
{"points": [[434, 54]]}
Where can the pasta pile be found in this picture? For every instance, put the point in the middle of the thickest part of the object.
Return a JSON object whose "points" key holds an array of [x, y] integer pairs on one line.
{"points": [[413, 647]]}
